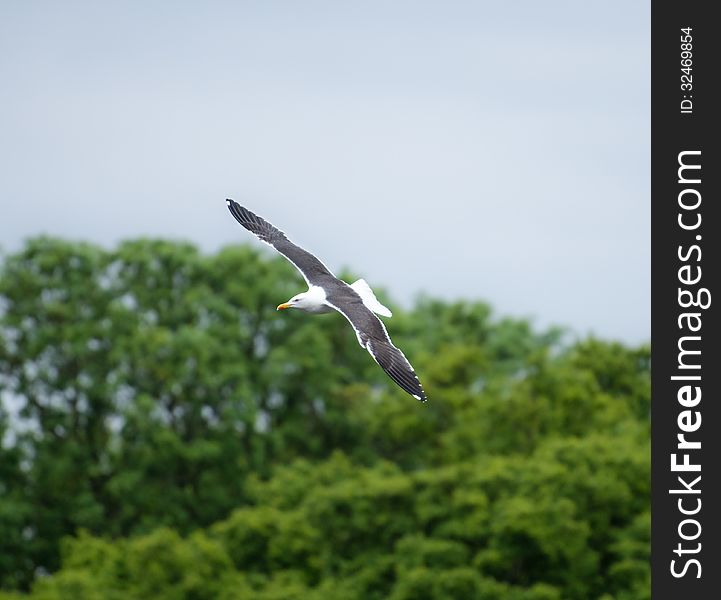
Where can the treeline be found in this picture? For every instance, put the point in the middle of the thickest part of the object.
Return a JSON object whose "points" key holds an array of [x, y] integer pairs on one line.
{"points": [[166, 434]]}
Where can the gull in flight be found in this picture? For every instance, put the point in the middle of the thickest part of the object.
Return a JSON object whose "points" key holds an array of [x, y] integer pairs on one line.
{"points": [[355, 301]]}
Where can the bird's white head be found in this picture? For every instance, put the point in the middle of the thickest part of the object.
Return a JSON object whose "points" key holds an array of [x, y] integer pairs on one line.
{"points": [[311, 301]]}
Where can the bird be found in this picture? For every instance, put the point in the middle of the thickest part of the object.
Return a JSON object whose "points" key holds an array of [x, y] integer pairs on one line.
{"points": [[326, 293]]}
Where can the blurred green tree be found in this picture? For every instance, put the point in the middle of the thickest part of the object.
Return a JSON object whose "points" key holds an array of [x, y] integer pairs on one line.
{"points": [[166, 434]]}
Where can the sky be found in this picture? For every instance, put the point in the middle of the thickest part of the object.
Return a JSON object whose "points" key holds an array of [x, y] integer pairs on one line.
{"points": [[466, 150]]}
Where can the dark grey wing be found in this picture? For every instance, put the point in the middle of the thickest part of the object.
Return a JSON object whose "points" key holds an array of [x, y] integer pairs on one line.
{"points": [[373, 336], [312, 269]]}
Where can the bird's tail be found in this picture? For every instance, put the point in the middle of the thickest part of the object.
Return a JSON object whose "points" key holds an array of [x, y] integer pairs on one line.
{"points": [[369, 298]]}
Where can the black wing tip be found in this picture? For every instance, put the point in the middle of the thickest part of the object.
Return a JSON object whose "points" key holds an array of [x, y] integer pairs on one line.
{"points": [[418, 393], [240, 213], [414, 388], [402, 374], [253, 223], [421, 397]]}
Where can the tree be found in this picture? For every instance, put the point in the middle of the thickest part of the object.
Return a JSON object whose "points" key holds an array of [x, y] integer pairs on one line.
{"points": [[172, 436]]}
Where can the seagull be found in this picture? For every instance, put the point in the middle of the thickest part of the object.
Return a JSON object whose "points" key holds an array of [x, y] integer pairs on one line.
{"points": [[326, 293]]}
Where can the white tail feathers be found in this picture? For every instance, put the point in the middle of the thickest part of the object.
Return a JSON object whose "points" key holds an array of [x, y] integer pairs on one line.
{"points": [[369, 298]]}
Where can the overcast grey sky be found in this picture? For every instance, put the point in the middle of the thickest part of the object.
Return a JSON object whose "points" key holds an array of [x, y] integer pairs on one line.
{"points": [[498, 151]]}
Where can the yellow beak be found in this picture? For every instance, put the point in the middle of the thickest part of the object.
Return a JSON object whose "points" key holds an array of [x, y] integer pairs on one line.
{"points": [[283, 306]]}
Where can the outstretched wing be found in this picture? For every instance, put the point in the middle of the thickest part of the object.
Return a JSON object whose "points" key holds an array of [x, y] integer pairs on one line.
{"points": [[313, 270], [373, 336]]}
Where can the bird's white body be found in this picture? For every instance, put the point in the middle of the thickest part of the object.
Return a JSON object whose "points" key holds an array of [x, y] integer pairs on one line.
{"points": [[314, 300]]}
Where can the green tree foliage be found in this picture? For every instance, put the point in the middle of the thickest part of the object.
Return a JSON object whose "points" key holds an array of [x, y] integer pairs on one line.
{"points": [[166, 434]]}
